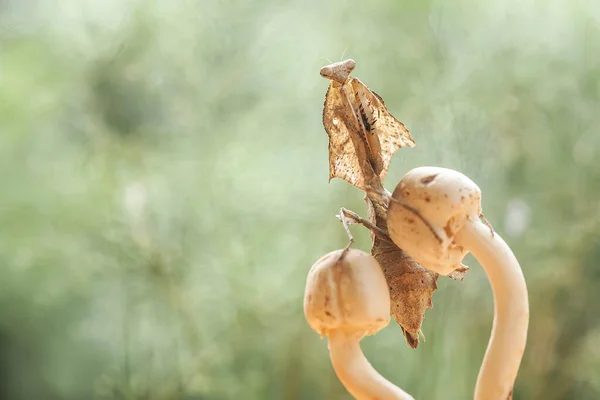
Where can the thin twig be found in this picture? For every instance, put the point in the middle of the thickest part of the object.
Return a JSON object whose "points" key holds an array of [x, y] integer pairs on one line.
{"points": [[348, 217]]}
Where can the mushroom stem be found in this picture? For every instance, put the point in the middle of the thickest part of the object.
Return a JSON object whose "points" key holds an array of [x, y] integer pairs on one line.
{"points": [[511, 310], [356, 373]]}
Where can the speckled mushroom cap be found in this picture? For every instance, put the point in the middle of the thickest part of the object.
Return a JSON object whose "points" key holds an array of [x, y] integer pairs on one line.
{"points": [[444, 200], [349, 293]]}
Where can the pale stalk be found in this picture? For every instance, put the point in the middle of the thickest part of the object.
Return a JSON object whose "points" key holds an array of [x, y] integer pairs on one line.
{"points": [[511, 310], [356, 373]]}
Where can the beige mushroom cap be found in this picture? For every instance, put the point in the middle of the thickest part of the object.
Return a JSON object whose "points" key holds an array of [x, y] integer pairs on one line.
{"points": [[444, 200], [349, 293]]}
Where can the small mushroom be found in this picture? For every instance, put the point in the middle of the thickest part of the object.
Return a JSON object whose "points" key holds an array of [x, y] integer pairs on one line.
{"points": [[434, 215], [347, 298]]}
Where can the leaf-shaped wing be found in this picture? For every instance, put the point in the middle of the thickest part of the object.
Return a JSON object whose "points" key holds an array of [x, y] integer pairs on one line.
{"points": [[384, 133], [347, 156]]}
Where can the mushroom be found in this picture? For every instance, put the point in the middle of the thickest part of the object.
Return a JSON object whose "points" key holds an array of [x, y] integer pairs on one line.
{"points": [[347, 298], [434, 215]]}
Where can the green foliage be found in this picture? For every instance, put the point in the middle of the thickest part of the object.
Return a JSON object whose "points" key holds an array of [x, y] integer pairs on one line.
{"points": [[164, 175]]}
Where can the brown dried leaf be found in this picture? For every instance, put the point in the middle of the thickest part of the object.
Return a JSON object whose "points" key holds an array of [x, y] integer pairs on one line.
{"points": [[347, 156], [385, 133], [363, 135], [411, 286]]}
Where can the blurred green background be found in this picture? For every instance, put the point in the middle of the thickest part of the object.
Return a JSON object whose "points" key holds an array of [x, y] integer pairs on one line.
{"points": [[164, 190]]}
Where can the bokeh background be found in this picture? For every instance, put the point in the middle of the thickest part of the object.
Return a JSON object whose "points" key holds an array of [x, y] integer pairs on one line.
{"points": [[164, 190]]}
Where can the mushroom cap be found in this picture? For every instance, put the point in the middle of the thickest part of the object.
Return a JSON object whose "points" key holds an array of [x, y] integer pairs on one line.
{"points": [[432, 205], [347, 293]]}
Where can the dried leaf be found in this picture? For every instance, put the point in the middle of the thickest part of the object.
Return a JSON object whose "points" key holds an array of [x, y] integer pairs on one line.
{"points": [[347, 153], [385, 133], [363, 135], [411, 286]]}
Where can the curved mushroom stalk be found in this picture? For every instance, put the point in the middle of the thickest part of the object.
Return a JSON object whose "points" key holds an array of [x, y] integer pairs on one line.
{"points": [[347, 298], [511, 310], [356, 373], [434, 215]]}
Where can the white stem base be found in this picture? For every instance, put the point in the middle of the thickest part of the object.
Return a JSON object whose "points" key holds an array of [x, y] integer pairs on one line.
{"points": [[511, 310], [356, 373]]}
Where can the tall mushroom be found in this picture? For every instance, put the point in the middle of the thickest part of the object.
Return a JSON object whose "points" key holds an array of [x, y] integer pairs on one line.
{"points": [[434, 215], [347, 298]]}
